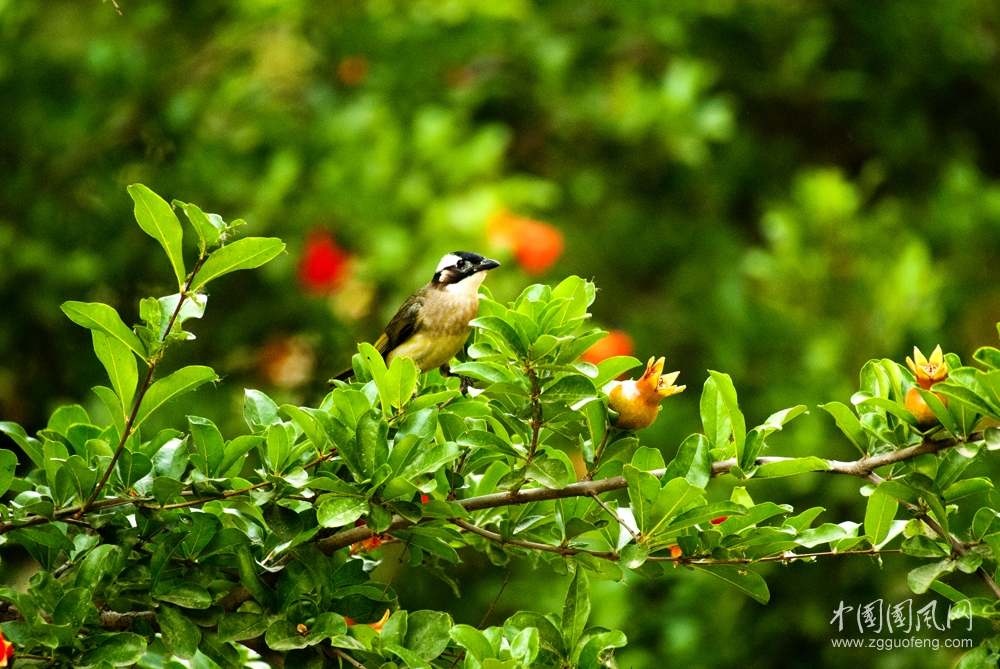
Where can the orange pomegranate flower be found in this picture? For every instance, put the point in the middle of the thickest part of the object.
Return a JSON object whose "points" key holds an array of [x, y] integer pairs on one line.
{"points": [[928, 370], [375, 626], [638, 402]]}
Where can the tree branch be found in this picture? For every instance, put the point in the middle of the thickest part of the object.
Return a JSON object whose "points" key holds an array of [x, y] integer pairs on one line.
{"points": [[127, 431]]}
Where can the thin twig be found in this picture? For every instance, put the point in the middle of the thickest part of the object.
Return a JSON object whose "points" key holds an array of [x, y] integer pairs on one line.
{"points": [[598, 453], [496, 599], [615, 516], [347, 657], [127, 430]]}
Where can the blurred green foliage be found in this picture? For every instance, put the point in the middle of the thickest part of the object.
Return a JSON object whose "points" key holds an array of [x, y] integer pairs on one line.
{"points": [[777, 190]]}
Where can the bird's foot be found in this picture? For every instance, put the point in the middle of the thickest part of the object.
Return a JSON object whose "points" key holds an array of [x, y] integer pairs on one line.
{"points": [[465, 382]]}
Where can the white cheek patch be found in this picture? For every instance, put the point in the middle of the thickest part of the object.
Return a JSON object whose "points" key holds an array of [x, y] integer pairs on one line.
{"points": [[467, 286], [449, 260]]}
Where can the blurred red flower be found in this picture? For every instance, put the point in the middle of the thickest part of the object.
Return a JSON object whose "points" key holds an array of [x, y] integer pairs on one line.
{"points": [[324, 265], [536, 245], [352, 70], [6, 650], [616, 343]]}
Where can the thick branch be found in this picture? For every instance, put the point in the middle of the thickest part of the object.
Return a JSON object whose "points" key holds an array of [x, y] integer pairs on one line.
{"points": [[861, 468]]}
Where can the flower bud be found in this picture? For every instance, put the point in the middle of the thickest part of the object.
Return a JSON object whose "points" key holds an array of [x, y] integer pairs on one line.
{"points": [[927, 372], [638, 402]]}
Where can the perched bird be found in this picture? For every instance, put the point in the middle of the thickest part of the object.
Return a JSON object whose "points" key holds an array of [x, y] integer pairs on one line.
{"points": [[638, 402], [433, 324]]}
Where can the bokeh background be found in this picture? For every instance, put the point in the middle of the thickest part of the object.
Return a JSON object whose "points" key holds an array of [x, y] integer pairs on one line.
{"points": [[779, 190]]}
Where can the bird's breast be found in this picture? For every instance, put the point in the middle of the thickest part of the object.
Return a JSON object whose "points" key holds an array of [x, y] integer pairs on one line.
{"points": [[442, 330]]}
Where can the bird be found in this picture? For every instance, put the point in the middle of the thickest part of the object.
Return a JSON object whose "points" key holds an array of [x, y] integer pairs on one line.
{"points": [[432, 326]]}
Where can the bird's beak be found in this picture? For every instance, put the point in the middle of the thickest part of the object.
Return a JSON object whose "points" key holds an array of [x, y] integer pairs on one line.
{"points": [[487, 264]]}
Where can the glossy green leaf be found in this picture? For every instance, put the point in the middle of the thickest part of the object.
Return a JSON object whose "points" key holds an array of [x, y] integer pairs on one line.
{"points": [[428, 633], [180, 635], [157, 219], [104, 319], [122, 649], [182, 381], [879, 513], [576, 608], [8, 463], [730, 410], [744, 579], [400, 381], [848, 424], [247, 253], [119, 362]]}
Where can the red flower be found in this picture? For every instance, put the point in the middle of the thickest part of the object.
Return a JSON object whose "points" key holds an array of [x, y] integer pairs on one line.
{"points": [[719, 520], [675, 551], [616, 343], [536, 245], [323, 265], [424, 499], [352, 70], [6, 650]]}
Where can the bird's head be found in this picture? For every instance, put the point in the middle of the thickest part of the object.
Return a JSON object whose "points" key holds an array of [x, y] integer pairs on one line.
{"points": [[462, 269]]}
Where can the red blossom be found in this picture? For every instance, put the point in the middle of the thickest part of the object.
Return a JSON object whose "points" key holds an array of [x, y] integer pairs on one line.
{"points": [[719, 520], [536, 245], [324, 265], [616, 343], [424, 499], [6, 650]]}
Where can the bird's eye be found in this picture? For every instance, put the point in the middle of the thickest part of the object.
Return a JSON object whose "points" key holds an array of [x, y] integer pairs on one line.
{"points": [[463, 264]]}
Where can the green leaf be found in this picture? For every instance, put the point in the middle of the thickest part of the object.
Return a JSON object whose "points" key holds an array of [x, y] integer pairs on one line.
{"points": [[278, 447], [428, 633], [72, 608], [31, 446], [570, 389], [693, 461], [239, 626], [473, 641], [714, 417], [576, 608], [121, 649], [282, 635], [247, 253], [252, 582], [613, 367], [340, 511], [223, 654], [504, 332], [102, 318], [848, 424], [940, 411], [920, 579], [8, 463], [400, 380], [731, 410], [371, 441], [673, 497], [169, 387], [207, 229], [643, 488], [120, 364], [259, 410], [376, 366], [188, 595], [132, 467], [180, 635], [157, 219], [592, 651], [792, 466], [888, 405], [550, 472], [748, 581], [879, 513]]}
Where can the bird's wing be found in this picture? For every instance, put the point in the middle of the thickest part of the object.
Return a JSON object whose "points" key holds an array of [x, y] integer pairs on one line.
{"points": [[403, 324]]}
